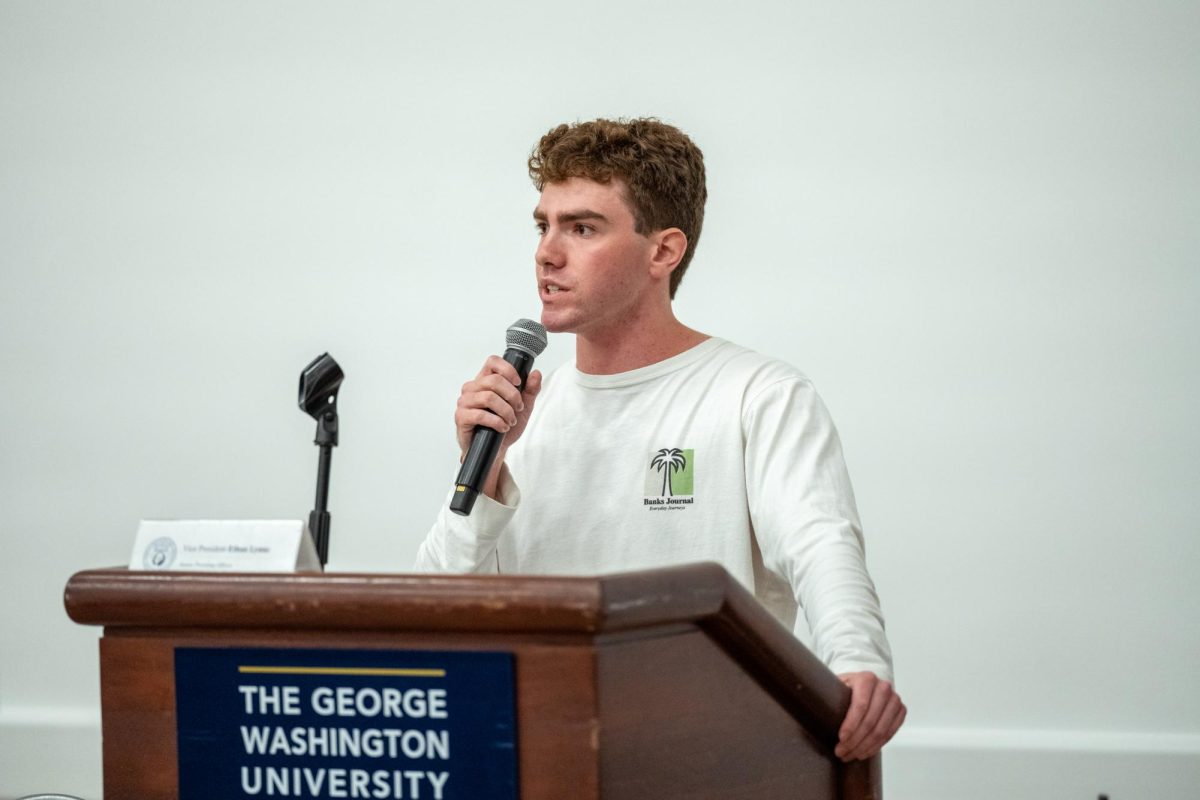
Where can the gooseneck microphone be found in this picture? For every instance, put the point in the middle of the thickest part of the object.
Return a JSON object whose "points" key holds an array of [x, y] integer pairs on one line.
{"points": [[526, 340]]}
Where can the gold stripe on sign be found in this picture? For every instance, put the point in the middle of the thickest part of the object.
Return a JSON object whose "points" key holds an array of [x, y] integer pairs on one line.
{"points": [[372, 671]]}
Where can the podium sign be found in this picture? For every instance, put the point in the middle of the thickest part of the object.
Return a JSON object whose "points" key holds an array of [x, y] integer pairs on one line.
{"points": [[310, 723]]}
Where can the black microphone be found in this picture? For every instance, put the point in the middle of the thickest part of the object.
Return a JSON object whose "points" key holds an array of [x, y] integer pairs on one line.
{"points": [[526, 340]]}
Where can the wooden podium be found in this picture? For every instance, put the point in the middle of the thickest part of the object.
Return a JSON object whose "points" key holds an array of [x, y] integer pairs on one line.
{"points": [[669, 683]]}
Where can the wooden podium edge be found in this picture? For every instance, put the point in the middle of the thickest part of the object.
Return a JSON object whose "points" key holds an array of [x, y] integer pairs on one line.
{"points": [[703, 594]]}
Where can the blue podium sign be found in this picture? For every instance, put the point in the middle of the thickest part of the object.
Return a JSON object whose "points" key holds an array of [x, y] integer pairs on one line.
{"points": [[401, 724]]}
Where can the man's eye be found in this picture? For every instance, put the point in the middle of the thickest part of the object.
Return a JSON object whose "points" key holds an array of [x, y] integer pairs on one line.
{"points": [[541, 229], [583, 230]]}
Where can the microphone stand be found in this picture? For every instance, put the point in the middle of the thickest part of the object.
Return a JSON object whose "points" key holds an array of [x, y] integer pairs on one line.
{"points": [[318, 519]]}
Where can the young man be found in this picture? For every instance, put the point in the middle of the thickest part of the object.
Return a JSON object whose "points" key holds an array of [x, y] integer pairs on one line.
{"points": [[659, 444]]}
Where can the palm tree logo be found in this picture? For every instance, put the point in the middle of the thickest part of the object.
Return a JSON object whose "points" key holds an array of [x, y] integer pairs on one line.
{"points": [[667, 461]]}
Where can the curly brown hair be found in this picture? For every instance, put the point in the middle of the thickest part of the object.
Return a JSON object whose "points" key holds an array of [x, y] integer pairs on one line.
{"points": [[661, 168]]}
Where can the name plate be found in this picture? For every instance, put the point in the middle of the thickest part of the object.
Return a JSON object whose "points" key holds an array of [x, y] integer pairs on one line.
{"points": [[273, 545], [345, 724]]}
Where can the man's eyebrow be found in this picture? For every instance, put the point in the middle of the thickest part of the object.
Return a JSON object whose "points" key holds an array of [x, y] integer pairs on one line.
{"points": [[570, 216]]}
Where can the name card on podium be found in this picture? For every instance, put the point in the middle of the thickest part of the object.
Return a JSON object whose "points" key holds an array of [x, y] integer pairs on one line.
{"points": [[221, 545]]}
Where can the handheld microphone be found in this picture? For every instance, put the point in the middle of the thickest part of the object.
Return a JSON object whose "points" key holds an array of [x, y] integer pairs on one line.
{"points": [[526, 340]]}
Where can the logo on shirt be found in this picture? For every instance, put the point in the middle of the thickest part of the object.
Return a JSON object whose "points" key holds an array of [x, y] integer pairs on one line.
{"points": [[670, 479]]}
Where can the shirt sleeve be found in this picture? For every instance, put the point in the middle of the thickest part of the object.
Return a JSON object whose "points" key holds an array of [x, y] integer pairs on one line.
{"points": [[458, 544], [804, 517]]}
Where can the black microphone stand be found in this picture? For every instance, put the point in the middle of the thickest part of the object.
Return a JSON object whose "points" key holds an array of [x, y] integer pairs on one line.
{"points": [[319, 384], [318, 518]]}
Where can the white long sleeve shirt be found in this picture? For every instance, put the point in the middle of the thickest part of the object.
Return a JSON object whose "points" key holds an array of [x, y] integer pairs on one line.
{"points": [[717, 454]]}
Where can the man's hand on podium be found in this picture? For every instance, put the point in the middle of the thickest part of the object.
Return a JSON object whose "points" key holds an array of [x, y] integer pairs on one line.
{"points": [[875, 715]]}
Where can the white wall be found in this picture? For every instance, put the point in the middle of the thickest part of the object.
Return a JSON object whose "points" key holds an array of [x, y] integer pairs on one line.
{"points": [[973, 224]]}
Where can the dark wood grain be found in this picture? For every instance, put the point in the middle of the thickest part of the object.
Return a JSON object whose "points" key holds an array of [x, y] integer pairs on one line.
{"points": [[862, 780], [681, 721]]}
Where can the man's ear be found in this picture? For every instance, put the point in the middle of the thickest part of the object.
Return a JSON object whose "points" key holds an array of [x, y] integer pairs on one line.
{"points": [[669, 246]]}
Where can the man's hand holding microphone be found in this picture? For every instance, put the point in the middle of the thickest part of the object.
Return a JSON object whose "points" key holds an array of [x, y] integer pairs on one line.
{"points": [[493, 410]]}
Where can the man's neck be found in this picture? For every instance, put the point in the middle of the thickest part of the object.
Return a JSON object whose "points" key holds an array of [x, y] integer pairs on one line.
{"points": [[633, 346]]}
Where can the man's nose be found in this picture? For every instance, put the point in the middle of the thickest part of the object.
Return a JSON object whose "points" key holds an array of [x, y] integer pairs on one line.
{"points": [[549, 252]]}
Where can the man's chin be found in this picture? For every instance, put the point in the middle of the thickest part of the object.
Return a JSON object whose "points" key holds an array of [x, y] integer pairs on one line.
{"points": [[557, 323]]}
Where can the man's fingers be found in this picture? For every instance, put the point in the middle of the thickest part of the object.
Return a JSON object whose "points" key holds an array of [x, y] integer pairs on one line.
{"points": [[533, 386], [468, 418], [878, 697], [474, 396], [498, 366], [884, 729], [894, 718], [889, 723], [489, 400], [860, 700], [875, 714], [500, 385]]}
